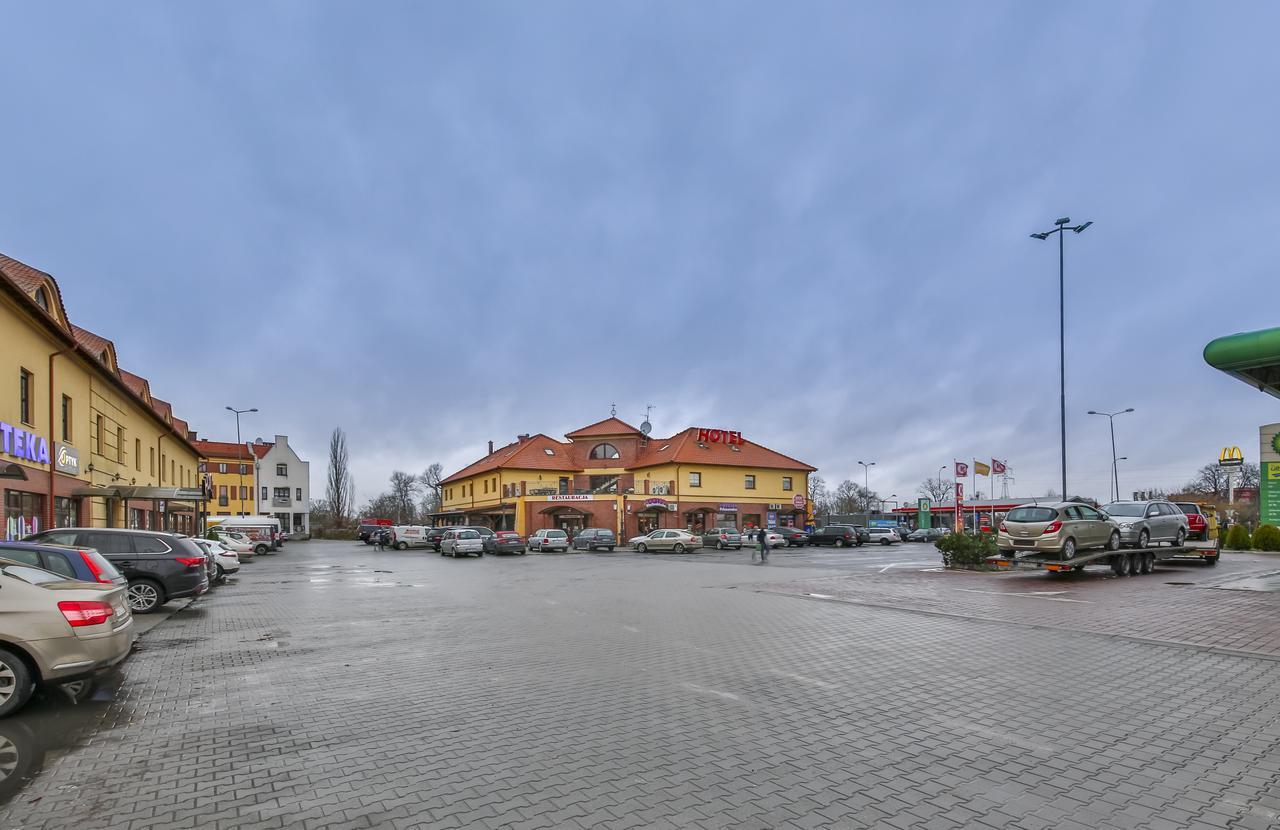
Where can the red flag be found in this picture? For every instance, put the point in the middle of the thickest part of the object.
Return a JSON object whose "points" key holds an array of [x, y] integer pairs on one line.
{"points": [[962, 469], [997, 466]]}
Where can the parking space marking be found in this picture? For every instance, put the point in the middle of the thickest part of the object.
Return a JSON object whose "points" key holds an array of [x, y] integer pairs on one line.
{"points": [[1030, 595]]}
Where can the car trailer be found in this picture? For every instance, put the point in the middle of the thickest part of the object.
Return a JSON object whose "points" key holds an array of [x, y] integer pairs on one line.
{"points": [[1130, 562]]}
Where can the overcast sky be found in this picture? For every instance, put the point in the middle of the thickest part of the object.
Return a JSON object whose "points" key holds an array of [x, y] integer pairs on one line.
{"points": [[437, 224]]}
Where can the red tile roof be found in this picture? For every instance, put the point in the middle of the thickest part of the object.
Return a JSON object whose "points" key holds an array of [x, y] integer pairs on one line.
{"points": [[140, 386], [164, 408], [29, 279], [527, 454], [222, 449], [94, 344], [609, 426], [261, 450], [683, 448]]}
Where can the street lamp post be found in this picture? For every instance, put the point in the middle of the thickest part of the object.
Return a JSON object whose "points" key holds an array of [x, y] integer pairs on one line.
{"points": [[239, 450], [866, 466], [1061, 226], [1115, 474], [1115, 465]]}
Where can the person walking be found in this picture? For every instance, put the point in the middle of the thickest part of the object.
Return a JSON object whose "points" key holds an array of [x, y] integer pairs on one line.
{"points": [[382, 538], [763, 536]]}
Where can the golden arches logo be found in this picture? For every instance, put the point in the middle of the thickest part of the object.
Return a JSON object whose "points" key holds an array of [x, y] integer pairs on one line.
{"points": [[1231, 455]]}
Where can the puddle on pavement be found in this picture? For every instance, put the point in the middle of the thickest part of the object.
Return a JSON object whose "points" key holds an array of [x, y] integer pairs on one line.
{"points": [[54, 721], [1266, 582]]}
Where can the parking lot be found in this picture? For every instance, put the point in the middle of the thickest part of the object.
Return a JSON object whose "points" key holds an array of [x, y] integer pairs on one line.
{"points": [[332, 685]]}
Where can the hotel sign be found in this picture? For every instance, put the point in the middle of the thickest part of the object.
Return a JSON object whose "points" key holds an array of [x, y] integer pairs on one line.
{"points": [[66, 459], [719, 436], [16, 442]]}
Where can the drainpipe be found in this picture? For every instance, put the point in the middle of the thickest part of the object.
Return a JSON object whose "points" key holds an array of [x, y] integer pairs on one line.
{"points": [[49, 515]]}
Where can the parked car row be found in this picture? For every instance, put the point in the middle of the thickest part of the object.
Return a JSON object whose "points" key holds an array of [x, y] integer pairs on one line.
{"points": [[1068, 527], [68, 596]]}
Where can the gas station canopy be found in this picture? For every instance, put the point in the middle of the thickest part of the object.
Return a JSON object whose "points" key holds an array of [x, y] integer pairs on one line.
{"points": [[1253, 357]]}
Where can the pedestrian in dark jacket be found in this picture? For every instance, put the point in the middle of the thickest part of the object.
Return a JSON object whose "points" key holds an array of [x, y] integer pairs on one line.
{"points": [[763, 536]]}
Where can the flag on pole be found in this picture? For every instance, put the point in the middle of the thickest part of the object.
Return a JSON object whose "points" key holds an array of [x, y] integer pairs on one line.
{"points": [[962, 469], [981, 469], [998, 467]]}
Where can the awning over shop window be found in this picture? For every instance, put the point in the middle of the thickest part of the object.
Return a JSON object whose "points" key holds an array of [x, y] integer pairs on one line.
{"points": [[561, 508], [131, 492]]}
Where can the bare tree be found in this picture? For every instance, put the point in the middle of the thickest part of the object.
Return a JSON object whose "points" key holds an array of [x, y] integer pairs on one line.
{"points": [[937, 490], [1248, 475], [854, 498], [340, 488], [818, 495], [404, 493], [430, 480]]}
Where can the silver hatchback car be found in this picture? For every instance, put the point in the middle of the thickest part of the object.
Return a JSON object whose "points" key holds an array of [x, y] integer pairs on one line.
{"points": [[1143, 523], [1061, 527]]}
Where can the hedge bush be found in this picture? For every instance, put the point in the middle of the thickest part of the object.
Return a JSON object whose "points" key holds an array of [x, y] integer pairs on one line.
{"points": [[1237, 538], [1266, 537], [961, 550]]}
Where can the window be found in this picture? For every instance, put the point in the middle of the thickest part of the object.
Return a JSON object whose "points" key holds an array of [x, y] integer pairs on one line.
{"points": [[97, 435], [264, 493], [244, 492], [149, 544], [66, 417], [23, 513], [604, 451], [202, 467], [299, 494], [25, 393], [486, 485], [222, 468], [750, 482], [603, 484], [172, 467], [153, 460], [786, 482], [281, 470], [548, 451], [282, 493], [244, 469], [137, 453], [64, 512], [564, 485], [120, 444], [695, 479], [42, 298], [222, 495]]}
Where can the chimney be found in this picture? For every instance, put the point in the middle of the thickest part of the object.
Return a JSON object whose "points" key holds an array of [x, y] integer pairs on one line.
{"points": [[490, 448], [522, 438]]}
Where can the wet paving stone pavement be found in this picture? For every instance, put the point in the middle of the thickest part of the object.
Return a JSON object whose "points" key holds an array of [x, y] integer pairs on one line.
{"points": [[331, 685]]}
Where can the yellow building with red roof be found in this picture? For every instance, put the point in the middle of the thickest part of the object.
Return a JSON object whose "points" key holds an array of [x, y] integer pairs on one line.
{"points": [[612, 475]]}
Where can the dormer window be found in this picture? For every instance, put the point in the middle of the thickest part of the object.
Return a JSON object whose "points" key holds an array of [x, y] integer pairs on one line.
{"points": [[104, 357], [604, 452], [42, 298], [548, 451]]}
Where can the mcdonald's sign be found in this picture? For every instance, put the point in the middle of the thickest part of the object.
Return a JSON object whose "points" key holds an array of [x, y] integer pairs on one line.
{"points": [[1230, 457]]}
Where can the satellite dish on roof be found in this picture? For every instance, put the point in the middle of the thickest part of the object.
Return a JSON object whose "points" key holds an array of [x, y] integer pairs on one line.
{"points": [[646, 427]]}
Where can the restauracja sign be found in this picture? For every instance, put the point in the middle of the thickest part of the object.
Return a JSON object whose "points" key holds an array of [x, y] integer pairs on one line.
{"points": [[18, 443]]}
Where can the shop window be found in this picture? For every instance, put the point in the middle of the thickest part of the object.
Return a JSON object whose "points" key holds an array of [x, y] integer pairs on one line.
{"points": [[64, 512], [786, 482], [25, 392], [66, 418], [282, 470], [749, 482], [23, 514], [604, 451], [695, 479]]}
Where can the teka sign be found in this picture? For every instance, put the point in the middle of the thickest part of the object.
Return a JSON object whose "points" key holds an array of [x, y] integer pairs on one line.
{"points": [[18, 443], [719, 436]]}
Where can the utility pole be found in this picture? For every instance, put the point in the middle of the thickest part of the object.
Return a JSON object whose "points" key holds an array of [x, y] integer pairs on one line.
{"points": [[239, 450]]}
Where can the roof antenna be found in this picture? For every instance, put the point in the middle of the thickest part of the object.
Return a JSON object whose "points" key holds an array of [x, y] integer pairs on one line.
{"points": [[646, 427]]}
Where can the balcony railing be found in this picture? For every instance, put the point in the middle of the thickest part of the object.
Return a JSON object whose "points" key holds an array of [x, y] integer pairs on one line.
{"points": [[276, 501]]}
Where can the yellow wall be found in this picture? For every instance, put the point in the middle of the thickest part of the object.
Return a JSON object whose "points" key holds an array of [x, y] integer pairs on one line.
{"points": [[232, 479], [24, 344]]}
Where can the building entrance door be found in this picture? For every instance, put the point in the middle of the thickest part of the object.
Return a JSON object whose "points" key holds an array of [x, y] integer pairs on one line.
{"points": [[646, 523], [569, 524]]}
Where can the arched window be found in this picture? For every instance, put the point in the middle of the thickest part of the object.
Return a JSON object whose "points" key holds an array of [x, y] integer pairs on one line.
{"points": [[42, 298], [604, 451]]}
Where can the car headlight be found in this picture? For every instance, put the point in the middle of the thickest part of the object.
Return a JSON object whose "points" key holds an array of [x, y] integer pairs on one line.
{"points": [[1126, 525]]}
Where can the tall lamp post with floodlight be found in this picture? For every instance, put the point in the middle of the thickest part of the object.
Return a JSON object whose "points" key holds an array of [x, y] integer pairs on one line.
{"points": [[1111, 417], [1061, 227], [866, 478], [1116, 466], [240, 449]]}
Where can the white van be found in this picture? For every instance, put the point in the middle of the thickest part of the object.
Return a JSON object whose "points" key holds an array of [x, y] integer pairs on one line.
{"points": [[409, 536], [258, 528]]}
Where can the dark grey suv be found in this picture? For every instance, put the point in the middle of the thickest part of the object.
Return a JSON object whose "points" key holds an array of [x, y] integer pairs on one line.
{"points": [[159, 566], [592, 538]]}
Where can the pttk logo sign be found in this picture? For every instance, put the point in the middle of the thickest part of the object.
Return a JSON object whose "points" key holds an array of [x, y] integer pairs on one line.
{"points": [[719, 436]]}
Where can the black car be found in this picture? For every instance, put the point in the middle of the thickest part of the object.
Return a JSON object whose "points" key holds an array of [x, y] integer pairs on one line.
{"points": [[592, 538], [840, 536], [487, 536], [366, 532], [86, 565], [795, 536], [435, 534], [508, 541], [159, 566]]}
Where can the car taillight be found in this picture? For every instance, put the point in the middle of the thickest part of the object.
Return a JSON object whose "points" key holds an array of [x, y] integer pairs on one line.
{"points": [[85, 613], [190, 561], [1003, 529], [98, 575], [1052, 527]]}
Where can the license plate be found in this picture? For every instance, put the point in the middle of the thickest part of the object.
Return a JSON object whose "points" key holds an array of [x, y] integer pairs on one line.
{"points": [[1025, 543]]}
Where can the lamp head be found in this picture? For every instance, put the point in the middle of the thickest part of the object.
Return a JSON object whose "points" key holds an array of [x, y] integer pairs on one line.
{"points": [[1040, 236], [229, 409], [1130, 409], [1066, 220], [253, 410], [1080, 228], [1091, 412]]}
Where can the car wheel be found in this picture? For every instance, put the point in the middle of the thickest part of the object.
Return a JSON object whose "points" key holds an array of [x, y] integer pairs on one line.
{"points": [[16, 684], [1149, 565], [839, 543], [679, 548], [1114, 542], [1212, 560], [402, 545], [1181, 539], [1069, 549], [481, 554], [263, 549], [145, 596], [858, 544], [1120, 564], [641, 547], [220, 574], [1144, 538], [884, 542], [720, 545]]}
